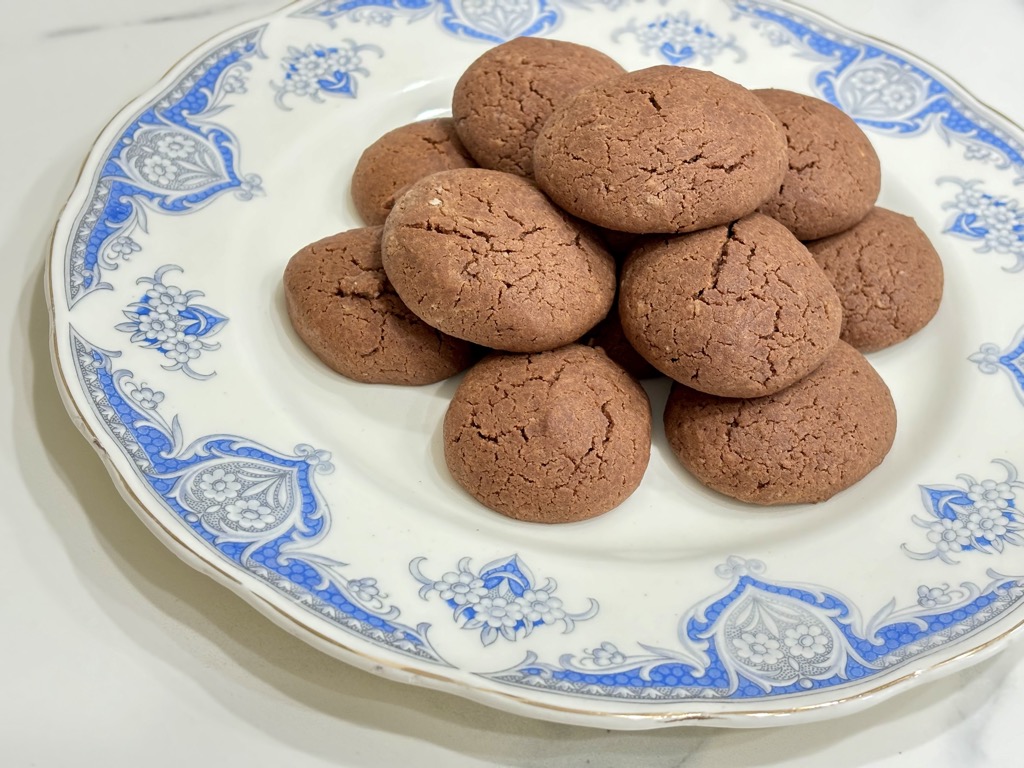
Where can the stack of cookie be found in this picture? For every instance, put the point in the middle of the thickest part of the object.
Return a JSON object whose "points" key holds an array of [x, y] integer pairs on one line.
{"points": [[657, 216]]}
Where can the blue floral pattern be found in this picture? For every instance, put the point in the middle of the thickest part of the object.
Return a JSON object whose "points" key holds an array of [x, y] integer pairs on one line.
{"points": [[678, 39], [255, 507], [995, 222], [990, 359], [316, 70], [971, 517], [759, 638], [493, 21], [259, 511], [882, 90], [172, 158], [502, 599], [169, 320]]}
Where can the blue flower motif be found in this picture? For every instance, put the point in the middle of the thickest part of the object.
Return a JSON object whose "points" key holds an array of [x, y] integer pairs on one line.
{"points": [[315, 70], [972, 517], [995, 222], [678, 39], [167, 319], [501, 600]]}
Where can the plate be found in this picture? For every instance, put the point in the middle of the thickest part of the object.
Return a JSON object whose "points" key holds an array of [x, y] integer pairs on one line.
{"points": [[325, 503]]}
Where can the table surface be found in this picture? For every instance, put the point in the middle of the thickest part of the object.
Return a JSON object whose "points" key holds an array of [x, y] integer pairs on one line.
{"points": [[116, 653]]}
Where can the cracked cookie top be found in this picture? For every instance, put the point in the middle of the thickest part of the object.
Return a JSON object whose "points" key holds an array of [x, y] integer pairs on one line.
{"points": [[801, 445], [342, 306], [400, 157], [664, 149], [888, 277], [553, 437], [739, 311], [834, 176], [503, 98], [484, 256]]}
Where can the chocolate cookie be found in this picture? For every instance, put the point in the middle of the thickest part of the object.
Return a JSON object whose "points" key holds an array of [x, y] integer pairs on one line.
{"points": [[342, 306], [803, 444], [485, 256], [554, 437], [834, 175], [665, 149], [739, 311], [398, 158], [888, 277], [504, 97]]}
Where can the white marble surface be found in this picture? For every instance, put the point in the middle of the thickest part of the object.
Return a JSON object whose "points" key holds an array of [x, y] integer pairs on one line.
{"points": [[117, 654]]}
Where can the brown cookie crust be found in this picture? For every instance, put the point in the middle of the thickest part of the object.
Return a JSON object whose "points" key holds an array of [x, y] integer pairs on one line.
{"points": [[553, 437], [484, 256], [834, 175], [664, 149], [400, 157], [738, 311], [503, 98], [888, 277], [345, 310], [801, 445]]}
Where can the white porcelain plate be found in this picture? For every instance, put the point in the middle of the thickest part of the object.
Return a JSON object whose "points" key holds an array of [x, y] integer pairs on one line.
{"points": [[326, 503]]}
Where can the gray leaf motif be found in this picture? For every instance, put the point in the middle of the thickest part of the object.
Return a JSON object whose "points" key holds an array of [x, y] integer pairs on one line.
{"points": [[880, 89], [171, 160], [242, 500]]}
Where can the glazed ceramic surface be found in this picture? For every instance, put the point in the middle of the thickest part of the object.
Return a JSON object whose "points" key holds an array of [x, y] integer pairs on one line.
{"points": [[326, 503]]}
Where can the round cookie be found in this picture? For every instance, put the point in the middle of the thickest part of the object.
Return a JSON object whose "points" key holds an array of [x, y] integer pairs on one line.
{"points": [[342, 306], [484, 256], [664, 149], [400, 157], [739, 311], [553, 437], [801, 445], [834, 175], [503, 98], [888, 277]]}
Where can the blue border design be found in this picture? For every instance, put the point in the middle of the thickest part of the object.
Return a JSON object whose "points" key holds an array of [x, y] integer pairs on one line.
{"points": [[255, 507], [759, 639], [884, 91], [260, 510], [171, 158], [490, 21]]}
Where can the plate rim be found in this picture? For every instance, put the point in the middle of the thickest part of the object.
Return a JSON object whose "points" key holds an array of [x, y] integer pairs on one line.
{"points": [[273, 606]]}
